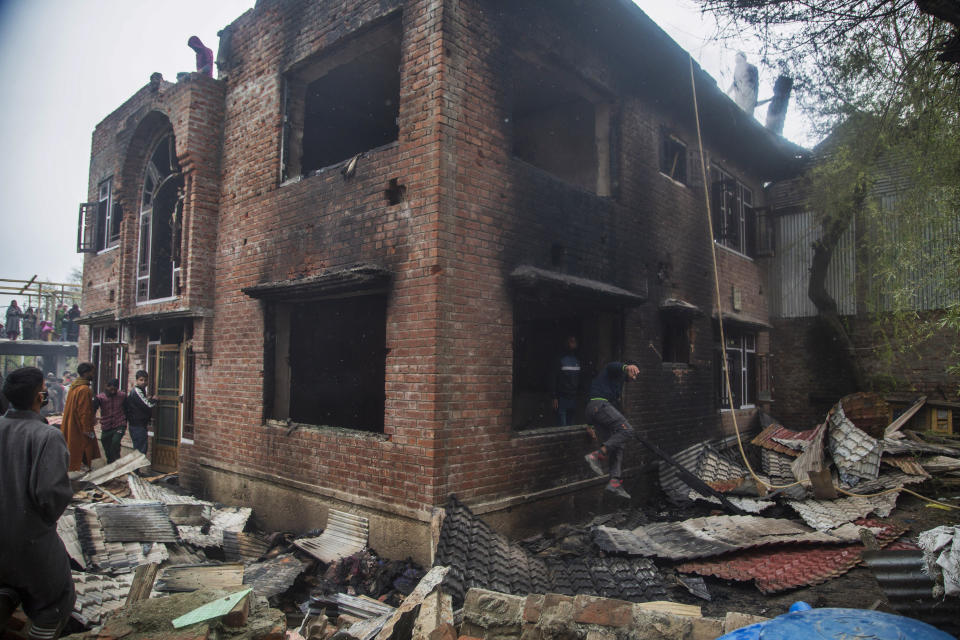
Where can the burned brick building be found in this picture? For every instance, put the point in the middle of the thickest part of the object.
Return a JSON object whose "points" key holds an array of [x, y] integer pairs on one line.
{"points": [[350, 261]]}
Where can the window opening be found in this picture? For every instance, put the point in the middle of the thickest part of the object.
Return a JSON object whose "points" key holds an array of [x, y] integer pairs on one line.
{"points": [[160, 210], [560, 126], [343, 103], [326, 362], [742, 366], [676, 338], [108, 356], [109, 216], [542, 327], [673, 158], [734, 218]]}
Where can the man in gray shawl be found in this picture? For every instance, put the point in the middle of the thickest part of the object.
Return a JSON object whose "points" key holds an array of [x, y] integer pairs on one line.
{"points": [[34, 565]]}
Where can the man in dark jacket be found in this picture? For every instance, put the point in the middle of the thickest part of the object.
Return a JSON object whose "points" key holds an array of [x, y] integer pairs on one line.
{"points": [[613, 429], [34, 565], [138, 409]]}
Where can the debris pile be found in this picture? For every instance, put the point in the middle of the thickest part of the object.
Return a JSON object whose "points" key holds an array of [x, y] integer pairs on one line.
{"points": [[150, 559]]}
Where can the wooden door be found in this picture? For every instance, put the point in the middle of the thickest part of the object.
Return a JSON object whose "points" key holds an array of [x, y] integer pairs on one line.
{"points": [[166, 414]]}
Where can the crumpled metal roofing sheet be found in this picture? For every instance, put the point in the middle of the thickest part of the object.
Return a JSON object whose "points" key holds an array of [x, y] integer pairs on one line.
{"points": [[787, 567], [768, 439], [143, 490], [744, 503], [711, 536], [344, 535], [274, 576], [479, 557], [854, 452], [907, 464], [127, 464], [147, 522], [67, 530], [244, 546], [112, 556], [776, 465], [98, 595], [706, 463], [903, 445], [887, 480], [221, 519], [824, 515]]}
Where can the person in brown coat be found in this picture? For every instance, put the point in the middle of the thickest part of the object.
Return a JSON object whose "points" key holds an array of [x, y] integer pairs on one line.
{"points": [[79, 417]]}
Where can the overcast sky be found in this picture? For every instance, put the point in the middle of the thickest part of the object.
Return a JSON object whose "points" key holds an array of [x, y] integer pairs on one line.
{"points": [[66, 64]]}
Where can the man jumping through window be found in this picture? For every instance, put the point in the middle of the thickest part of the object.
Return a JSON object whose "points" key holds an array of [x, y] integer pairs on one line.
{"points": [[612, 428]]}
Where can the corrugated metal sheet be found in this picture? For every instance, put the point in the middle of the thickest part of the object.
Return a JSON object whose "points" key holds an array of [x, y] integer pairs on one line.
{"points": [[893, 446], [909, 590], [706, 463], [713, 535], [143, 490], [243, 546], [111, 556], [788, 566], [344, 536], [221, 519], [147, 522], [790, 272], [126, 464]]}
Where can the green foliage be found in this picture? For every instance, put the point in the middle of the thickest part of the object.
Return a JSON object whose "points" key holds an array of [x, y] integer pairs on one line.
{"points": [[867, 77]]}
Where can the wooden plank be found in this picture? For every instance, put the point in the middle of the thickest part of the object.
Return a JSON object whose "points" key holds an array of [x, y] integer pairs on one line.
{"points": [[675, 608], [198, 576], [142, 585], [895, 426]]}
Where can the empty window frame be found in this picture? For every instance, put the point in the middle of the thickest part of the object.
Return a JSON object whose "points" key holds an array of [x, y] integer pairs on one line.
{"points": [[343, 103], [161, 212], [326, 362], [742, 367], [734, 219], [673, 157], [541, 328], [561, 126], [109, 216], [676, 338]]}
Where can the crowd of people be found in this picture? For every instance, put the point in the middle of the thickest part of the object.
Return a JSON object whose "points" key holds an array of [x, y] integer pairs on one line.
{"points": [[37, 324], [37, 488]]}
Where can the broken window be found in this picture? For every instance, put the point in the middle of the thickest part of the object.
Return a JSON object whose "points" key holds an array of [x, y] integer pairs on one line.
{"points": [[344, 103], [673, 157], [542, 326], [742, 367], [326, 361], [161, 207], [676, 338], [561, 126], [734, 219]]}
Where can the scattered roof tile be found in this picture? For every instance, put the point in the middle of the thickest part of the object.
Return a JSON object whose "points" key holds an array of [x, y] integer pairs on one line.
{"points": [[344, 535], [775, 436], [854, 452]]}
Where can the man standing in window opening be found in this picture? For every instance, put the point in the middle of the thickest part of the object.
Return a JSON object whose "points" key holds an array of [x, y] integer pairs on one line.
{"points": [[34, 565], [113, 423], [79, 417], [566, 383], [613, 429], [138, 408]]}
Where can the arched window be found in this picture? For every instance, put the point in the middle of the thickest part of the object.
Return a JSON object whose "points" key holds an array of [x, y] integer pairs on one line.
{"points": [[161, 210]]}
